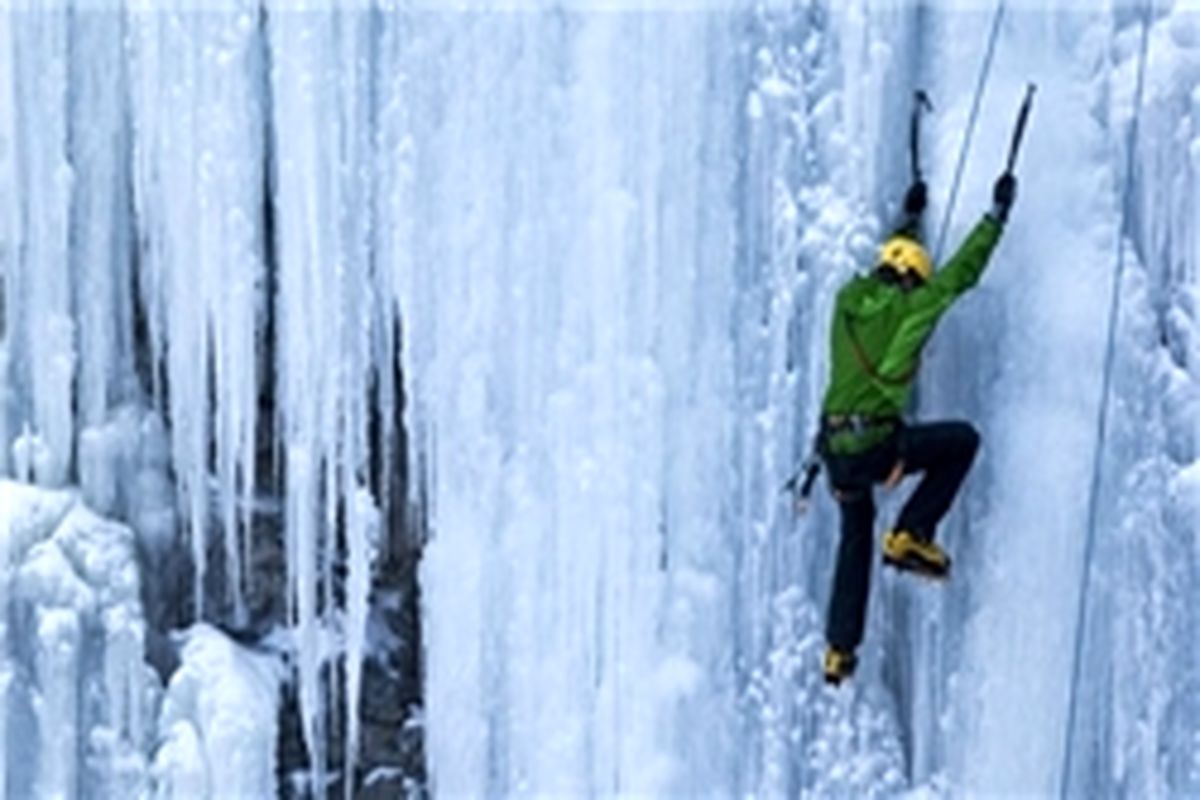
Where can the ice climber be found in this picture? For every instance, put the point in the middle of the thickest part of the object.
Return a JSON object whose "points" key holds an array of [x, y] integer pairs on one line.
{"points": [[881, 322]]}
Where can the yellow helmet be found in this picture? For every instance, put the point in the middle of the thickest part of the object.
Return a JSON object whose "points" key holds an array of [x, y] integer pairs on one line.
{"points": [[906, 255]]}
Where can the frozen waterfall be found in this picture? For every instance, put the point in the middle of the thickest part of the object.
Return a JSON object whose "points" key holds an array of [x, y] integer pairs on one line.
{"points": [[396, 398]]}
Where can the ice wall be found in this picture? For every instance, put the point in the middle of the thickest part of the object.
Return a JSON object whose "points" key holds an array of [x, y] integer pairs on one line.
{"points": [[1140, 624], [568, 357], [818, 184], [1034, 387], [1025, 356], [589, 256]]}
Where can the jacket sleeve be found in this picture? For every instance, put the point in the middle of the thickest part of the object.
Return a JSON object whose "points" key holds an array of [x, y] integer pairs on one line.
{"points": [[927, 304]]}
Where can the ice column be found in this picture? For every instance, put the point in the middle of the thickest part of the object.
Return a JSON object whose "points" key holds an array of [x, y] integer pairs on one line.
{"points": [[568, 224], [9, 236], [40, 330], [100, 260]]}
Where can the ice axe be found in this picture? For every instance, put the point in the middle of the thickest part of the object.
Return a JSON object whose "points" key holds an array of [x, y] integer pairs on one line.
{"points": [[800, 485], [920, 103], [1019, 131]]}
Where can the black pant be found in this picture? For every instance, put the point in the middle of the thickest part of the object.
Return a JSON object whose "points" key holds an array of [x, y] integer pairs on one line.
{"points": [[944, 452]]}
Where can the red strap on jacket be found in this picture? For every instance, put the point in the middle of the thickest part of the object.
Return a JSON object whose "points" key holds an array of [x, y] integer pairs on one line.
{"points": [[860, 355]]}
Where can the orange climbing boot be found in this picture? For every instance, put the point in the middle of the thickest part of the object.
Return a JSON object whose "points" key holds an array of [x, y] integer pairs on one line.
{"points": [[839, 665], [906, 552]]}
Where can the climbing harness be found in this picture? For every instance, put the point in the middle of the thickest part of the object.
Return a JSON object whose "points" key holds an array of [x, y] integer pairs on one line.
{"points": [[1114, 312], [800, 484]]}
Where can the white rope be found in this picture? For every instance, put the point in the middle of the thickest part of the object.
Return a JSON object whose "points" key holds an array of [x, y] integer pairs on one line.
{"points": [[964, 150]]}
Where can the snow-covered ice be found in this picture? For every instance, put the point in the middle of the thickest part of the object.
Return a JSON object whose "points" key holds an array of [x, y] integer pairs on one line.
{"points": [[217, 726], [79, 698]]}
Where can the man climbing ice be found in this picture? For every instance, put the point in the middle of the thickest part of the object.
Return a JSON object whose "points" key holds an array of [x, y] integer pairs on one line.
{"points": [[881, 322]]}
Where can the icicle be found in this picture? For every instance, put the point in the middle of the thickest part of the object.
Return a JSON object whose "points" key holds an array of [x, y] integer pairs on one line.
{"points": [[308, 272], [362, 534], [25, 452], [174, 215], [237, 179], [397, 280], [6, 399], [41, 300], [302, 518], [100, 256], [328, 328], [199, 181], [56, 706], [9, 242], [7, 569]]}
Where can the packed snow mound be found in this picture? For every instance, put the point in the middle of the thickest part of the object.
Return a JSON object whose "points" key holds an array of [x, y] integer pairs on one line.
{"points": [[72, 670], [73, 683], [218, 721]]}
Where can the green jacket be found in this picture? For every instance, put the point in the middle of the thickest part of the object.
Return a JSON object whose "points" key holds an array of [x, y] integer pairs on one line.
{"points": [[880, 324]]}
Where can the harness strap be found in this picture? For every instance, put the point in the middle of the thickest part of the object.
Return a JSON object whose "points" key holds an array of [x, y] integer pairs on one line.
{"points": [[855, 423]]}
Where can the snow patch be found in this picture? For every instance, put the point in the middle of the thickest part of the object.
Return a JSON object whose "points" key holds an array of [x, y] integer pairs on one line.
{"points": [[219, 721], [71, 587]]}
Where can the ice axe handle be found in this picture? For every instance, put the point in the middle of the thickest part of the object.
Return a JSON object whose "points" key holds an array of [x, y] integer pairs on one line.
{"points": [[920, 103], [1019, 131]]}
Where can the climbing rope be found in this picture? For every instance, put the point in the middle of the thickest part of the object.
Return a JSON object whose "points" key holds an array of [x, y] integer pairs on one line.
{"points": [[965, 149], [1114, 312]]}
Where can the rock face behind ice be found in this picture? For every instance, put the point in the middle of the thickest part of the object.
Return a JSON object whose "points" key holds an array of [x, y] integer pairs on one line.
{"points": [[78, 699]]}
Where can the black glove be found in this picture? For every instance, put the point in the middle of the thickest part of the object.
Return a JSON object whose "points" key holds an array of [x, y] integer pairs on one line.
{"points": [[1004, 193], [914, 199]]}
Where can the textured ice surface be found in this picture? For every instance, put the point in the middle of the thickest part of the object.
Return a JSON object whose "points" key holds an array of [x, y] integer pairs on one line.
{"points": [[603, 246], [79, 699], [85, 715]]}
